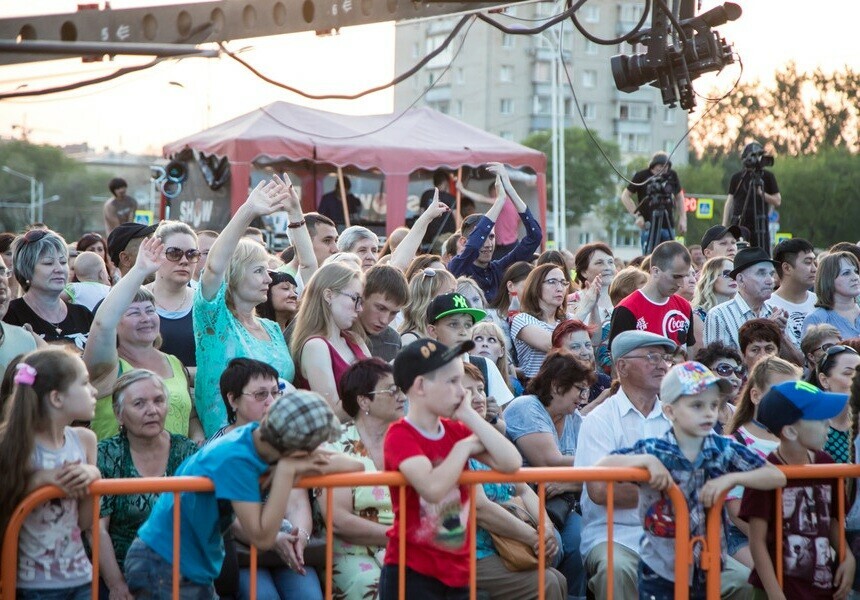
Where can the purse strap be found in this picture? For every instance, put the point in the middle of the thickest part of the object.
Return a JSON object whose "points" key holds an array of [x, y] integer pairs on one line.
{"points": [[517, 507]]}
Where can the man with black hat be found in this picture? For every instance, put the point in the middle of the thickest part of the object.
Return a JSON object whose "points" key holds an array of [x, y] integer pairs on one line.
{"points": [[659, 179], [721, 241], [430, 447], [124, 242], [121, 208], [744, 205], [755, 273]]}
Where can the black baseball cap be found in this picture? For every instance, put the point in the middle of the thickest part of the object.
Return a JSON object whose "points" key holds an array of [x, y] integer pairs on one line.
{"points": [[452, 304], [424, 356], [122, 235], [790, 401], [718, 232]]}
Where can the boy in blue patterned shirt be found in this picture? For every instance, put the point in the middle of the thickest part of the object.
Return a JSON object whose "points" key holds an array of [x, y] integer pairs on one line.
{"points": [[702, 463]]}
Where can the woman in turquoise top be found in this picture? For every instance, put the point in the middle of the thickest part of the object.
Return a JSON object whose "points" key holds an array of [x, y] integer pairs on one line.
{"points": [[125, 336], [493, 577], [233, 282]]}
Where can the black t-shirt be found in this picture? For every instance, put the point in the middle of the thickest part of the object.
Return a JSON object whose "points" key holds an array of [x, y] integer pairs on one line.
{"points": [[331, 207], [743, 212], [73, 330], [444, 224], [673, 187]]}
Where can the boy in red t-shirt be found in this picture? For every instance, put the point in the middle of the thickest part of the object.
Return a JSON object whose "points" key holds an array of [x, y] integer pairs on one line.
{"points": [[431, 447], [799, 413]]}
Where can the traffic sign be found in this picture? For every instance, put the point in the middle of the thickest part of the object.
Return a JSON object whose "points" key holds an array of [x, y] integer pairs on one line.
{"points": [[705, 208]]}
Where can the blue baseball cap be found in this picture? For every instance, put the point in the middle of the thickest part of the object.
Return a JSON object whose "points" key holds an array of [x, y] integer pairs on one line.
{"points": [[791, 401]]}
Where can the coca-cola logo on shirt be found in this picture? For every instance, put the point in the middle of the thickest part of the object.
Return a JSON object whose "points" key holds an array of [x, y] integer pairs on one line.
{"points": [[675, 325]]}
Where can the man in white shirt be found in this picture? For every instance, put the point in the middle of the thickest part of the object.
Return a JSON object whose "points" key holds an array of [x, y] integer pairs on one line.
{"points": [[796, 267], [634, 413]]}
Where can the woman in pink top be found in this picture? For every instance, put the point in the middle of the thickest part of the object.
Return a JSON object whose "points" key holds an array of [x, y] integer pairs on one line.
{"points": [[328, 337]]}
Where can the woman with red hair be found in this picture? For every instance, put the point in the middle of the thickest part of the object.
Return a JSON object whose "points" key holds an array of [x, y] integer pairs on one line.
{"points": [[576, 336]]}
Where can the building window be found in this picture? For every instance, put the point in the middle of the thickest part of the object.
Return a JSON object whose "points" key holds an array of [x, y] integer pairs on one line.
{"points": [[416, 50], [634, 142], [457, 108], [460, 76], [443, 58], [506, 74], [542, 71], [506, 106], [589, 111], [669, 146], [506, 135], [668, 116], [541, 105], [589, 78], [631, 13], [507, 40], [590, 13], [443, 107], [632, 111], [584, 237], [590, 48]]}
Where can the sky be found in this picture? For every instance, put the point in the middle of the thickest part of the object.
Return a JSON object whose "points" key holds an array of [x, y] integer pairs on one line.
{"points": [[142, 111]]}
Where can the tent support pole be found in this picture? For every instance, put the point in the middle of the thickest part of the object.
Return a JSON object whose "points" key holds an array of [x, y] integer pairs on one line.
{"points": [[457, 215], [343, 202]]}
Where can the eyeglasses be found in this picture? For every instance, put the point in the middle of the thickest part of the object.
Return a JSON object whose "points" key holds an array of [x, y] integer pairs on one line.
{"points": [[356, 299], [725, 370], [555, 282], [831, 352], [261, 395], [655, 358], [174, 254], [392, 390], [584, 392], [825, 346]]}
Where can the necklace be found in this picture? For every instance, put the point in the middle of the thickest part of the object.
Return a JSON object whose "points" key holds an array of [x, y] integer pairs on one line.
{"points": [[178, 308]]}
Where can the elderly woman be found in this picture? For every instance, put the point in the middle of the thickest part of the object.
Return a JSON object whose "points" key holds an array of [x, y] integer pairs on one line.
{"points": [[125, 336], [544, 426], [493, 576], [40, 258], [173, 296], [142, 448], [328, 338], [235, 280], [575, 336], [542, 308], [837, 285], [362, 242], [362, 516]]}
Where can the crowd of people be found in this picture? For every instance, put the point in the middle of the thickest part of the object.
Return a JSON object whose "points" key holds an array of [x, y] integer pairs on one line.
{"points": [[161, 351]]}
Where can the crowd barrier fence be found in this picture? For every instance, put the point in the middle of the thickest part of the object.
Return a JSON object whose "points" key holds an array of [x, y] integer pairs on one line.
{"points": [[540, 476]]}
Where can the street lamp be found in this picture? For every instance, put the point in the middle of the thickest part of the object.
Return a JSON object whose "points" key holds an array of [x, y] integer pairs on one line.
{"points": [[33, 185], [559, 193]]}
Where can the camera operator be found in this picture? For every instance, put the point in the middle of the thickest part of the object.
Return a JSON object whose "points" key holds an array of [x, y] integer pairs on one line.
{"points": [[662, 192], [752, 192]]}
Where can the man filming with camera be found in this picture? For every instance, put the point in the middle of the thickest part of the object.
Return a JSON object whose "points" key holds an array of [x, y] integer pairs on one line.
{"points": [[660, 196], [752, 192]]}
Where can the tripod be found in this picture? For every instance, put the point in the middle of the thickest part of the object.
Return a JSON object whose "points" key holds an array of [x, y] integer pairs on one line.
{"points": [[660, 220], [760, 229]]}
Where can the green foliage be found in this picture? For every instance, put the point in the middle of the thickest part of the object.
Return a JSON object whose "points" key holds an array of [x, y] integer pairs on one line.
{"points": [[588, 177], [800, 113], [75, 184], [703, 181]]}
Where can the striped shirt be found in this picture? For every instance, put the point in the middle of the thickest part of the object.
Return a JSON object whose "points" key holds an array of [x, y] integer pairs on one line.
{"points": [[724, 320], [529, 358]]}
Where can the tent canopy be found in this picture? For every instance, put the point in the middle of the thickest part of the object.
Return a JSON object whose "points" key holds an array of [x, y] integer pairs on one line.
{"points": [[420, 138]]}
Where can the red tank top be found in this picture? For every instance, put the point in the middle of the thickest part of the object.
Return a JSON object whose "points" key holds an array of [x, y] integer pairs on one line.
{"points": [[338, 364]]}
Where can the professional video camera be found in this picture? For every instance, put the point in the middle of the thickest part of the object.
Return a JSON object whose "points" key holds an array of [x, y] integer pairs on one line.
{"points": [[753, 157], [673, 68], [659, 188]]}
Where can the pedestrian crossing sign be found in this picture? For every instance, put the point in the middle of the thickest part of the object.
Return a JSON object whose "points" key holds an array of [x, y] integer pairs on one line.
{"points": [[705, 208]]}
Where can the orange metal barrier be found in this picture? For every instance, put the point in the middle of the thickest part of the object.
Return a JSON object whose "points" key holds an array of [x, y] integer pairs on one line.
{"points": [[541, 476], [711, 553]]}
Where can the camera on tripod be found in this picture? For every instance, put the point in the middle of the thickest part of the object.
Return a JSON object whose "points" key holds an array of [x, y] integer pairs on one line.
{"points": [[659, 187], [758, 161]]}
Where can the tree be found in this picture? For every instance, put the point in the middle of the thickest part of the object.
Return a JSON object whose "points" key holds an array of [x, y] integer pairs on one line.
{"points": [[799, 113], [703, 181], [72, 181], [588, 176]]}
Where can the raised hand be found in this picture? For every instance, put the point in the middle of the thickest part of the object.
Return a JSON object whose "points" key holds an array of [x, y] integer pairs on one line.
{"points": [[150, 257], [437, 208], [499, 170], [292, 202], [266, 198]]}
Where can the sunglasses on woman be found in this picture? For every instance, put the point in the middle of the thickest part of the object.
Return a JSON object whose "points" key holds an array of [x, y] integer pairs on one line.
{"points": [[831, 352], [174, 254], [725, 370]]}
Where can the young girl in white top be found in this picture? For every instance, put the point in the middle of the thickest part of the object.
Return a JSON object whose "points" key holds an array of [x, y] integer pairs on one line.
{"points": [[39, 447]]}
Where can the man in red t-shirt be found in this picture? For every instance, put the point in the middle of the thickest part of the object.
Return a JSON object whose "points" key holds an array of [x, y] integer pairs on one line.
{"points": [[656, 307], [431, 446]]}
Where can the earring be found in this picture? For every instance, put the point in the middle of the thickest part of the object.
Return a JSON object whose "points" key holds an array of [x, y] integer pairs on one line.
{"points": [[367, 412]]}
